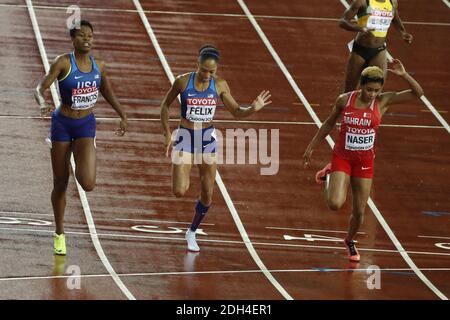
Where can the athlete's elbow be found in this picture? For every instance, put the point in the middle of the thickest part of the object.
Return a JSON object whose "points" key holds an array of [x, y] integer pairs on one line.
{"points": [[108, 94], [164, 111], [39, 95], [326, 127], [38, 90], [236, 114]]}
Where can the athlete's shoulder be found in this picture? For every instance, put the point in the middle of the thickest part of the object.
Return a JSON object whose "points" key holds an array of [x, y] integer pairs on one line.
{"points": [[357, 4], [221, 86], [98, 59], [384, 98], [100, 62], [61, 63], [62, 59], [181, 81], [342, 99], [220, 82], [183, 77], [219, 79]]}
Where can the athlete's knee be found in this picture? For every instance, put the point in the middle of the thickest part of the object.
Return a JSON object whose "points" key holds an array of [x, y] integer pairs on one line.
{"points": [[60, 184], [335, 203], [88, 184], [86, 181], [206, 196], [180, 191], [335, 206]]}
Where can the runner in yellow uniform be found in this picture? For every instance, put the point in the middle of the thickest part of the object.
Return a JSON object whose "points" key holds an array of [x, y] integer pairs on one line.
{"points": [[374, 18]]}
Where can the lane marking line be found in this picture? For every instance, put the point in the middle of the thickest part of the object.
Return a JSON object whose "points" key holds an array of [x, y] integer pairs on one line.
{"points": [[316, 230], [268, 244], [219, 272], [447, 3], [229, 121], [214, 14], [162, 221], [434, 237], [30, 214]]}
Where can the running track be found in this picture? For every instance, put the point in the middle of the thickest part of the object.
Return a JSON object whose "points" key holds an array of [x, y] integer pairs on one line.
{"points": [[133, 180]]}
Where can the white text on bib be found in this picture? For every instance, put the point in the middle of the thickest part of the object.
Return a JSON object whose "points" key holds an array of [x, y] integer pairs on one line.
{"points": [[85, 97]]}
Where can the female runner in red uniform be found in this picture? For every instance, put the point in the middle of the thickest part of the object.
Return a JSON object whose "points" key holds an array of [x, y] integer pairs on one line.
{"points": [[354, 153]]}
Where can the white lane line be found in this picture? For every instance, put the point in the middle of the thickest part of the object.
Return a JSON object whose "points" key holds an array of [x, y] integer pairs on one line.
{"points": [[447, 3], [219, 181], [268, 244], [219, 272], [231, 121], [161, 221], [330, 141], [423, 98], [282, 67], [213, 14], [331, 231], [83, 198], [434, 237], [403, 252], [410, 126], [30, 214]]}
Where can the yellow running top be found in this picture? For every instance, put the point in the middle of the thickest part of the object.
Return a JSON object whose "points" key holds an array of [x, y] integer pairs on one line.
{"points": [[378, 16]]}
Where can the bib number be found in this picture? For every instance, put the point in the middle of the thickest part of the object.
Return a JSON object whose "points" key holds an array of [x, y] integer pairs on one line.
{"points": [[359, 142], [379, 20]]}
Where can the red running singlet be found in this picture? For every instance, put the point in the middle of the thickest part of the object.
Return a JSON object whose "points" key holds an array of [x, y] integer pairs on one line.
{"points": [[358, 131]]}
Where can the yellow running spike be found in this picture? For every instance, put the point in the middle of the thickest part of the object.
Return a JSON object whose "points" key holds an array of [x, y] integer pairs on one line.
{"points": [[59, 244]]}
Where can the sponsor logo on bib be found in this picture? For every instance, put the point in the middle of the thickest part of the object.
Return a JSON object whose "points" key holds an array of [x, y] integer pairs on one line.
{"points": [[85, 95], [380, 20], [200, 109]]}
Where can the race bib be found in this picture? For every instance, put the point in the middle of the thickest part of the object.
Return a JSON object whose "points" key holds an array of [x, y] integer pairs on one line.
{"points": [[200, 109], [359, 142], [379, 20], [84, 98]]}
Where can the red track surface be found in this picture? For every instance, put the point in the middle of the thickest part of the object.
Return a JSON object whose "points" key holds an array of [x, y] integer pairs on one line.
{"points": [[133, 184]]}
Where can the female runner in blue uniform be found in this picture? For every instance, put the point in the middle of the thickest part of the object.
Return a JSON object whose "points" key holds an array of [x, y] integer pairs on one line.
{"points": [[80, 78], [199, 93]]}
